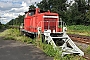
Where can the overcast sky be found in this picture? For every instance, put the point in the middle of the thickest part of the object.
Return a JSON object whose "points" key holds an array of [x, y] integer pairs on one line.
{"points": [[10, 9]]}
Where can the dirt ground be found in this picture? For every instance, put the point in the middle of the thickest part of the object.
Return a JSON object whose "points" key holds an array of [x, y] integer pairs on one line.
{"points": [[15, 50]]}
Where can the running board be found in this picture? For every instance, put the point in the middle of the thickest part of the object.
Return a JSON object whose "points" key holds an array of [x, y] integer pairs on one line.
{"points": [[71, 49]]}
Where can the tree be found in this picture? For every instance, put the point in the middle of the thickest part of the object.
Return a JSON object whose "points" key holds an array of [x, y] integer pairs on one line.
{"points": [[0, 25], [81, 5], [76, 12], [88, 17], [31, 7], [58, 6], [17, 21], [53, 5], [72, 14], [44, 5], [88, 4]]}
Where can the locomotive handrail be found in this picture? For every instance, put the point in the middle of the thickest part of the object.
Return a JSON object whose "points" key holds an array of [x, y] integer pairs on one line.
{"points": [[63, 24]]}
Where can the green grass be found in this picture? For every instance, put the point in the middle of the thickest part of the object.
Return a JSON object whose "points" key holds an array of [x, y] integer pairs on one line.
{"points": [[57, 54], [14, 34], [88, 50], [79, 29]]}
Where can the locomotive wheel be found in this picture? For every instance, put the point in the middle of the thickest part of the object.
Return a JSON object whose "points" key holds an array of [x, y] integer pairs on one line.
{"points": [[32, 36], [22, 33], [43, 39]]}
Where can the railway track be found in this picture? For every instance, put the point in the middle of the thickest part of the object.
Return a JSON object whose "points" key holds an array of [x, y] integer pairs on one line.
{"points": [[74, 37], [80, 38]]}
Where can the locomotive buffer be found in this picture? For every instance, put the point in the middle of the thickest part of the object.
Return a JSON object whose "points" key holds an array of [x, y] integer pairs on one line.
{"points": [[62, 40]]}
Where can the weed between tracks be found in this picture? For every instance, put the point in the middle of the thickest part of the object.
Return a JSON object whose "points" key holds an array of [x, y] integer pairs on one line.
{"points": [[14, 34]]}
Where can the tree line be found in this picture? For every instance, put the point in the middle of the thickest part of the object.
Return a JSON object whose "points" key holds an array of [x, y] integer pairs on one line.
{"points": [[16, 21], [76, 12]]}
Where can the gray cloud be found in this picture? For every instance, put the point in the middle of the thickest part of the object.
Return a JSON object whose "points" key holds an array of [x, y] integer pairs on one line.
{"points": [[12, 8]]}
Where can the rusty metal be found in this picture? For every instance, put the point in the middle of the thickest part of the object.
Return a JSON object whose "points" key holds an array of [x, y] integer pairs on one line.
{"points": [[80, 38], [86, 57]]}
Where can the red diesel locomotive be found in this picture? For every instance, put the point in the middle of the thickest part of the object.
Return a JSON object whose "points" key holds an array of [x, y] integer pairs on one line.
{"points": [[52, 29], [45, 20]]}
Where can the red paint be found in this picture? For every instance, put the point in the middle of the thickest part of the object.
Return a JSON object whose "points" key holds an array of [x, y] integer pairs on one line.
{"points": [[41, 19]]}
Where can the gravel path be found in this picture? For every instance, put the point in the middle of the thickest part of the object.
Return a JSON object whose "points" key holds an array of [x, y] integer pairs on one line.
{"points": [[14, 50]]}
